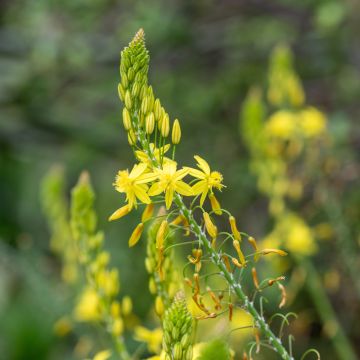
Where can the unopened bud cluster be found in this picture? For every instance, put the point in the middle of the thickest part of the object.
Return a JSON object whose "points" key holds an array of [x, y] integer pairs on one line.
{"points": [[178, 326]]}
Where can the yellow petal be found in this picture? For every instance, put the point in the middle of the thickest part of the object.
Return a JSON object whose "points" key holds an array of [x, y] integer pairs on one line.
{"points": [[202, 164], [155, 189], [141, 194], [196, 173], [147, 177], [137, 170], [203, 197], [184, 189], [181, 173], [169, 195], [199, 187]]}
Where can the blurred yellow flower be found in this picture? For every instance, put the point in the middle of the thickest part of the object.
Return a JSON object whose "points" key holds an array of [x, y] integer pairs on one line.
{"points": [[87, 308], [208, 179], [312, 122], [153, 338], [63, 326], [281, 124], [102, 355]]}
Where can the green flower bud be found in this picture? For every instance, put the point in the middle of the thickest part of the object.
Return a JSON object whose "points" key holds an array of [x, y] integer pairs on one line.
{"points": [[177, 325], [128, 101], [149, 123], [176, 132], [165, 126], [121, 92], [126, 119], [157, 109]]}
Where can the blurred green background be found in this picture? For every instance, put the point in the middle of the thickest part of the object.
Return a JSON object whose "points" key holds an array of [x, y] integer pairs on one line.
{"points": [[59, 66]]}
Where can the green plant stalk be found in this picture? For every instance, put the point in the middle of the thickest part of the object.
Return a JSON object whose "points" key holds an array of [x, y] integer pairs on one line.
{"points": [[260, 322], [325, 309]]}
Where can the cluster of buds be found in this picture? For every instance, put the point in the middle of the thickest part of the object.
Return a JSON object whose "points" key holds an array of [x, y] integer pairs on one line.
{"points": [[159, 265], [178, 327], [55, 207], [136, 94], [102, 281]]}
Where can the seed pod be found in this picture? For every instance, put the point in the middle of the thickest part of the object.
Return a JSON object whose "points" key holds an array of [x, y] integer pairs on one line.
{"points": [[176, 132], [126, 119], [149, 123], [165, 126]]}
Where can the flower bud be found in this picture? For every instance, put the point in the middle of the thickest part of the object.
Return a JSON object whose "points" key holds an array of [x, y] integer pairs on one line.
{"points": [[234, 229], [215, 205], [135, 236], [144, 105], [121, 92], [165, 126], [128, 102], [131, 137], [157, 109], [148, 212], [149, 123], [210, 227], [119, 213], [126, 119], [176, 132]]}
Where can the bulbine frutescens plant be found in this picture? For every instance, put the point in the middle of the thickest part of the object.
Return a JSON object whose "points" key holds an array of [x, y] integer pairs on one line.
{"points": [[157, 179]]}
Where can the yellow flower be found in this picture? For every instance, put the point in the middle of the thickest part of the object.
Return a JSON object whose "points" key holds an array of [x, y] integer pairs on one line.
{"points": [[208, 179], [119, 213], [153, 338], [170, 181], [87, 309], [133, 184]]}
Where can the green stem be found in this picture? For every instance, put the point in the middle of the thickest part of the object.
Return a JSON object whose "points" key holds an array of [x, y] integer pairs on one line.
{"points": [[325, 310], [248, 305]]}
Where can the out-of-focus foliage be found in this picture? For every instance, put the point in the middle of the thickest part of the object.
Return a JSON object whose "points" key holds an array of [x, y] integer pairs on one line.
{"points": [[58, 104]]}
